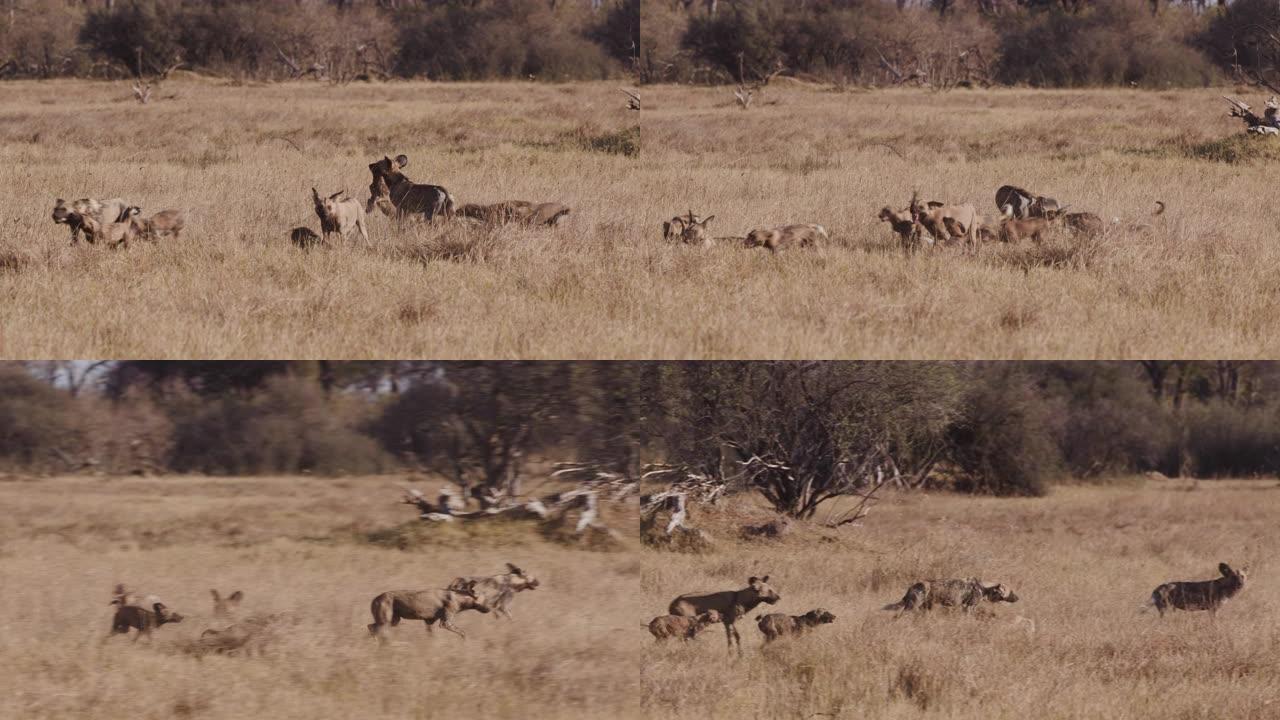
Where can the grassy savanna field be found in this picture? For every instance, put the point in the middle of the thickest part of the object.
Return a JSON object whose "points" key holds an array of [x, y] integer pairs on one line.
{"points": [[242, 160], [293, 545], [1201, 282], [1082, 561]]}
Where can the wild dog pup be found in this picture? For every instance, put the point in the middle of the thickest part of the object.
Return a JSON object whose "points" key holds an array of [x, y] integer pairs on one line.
{"points": [[965, 594], [304, 238], [775, 625], [665, 627], [1199, 595]]}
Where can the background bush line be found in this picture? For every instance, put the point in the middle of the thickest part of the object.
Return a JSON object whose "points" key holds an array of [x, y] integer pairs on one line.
{"points": [[338, 40], [1042, 43], [987, 427]]}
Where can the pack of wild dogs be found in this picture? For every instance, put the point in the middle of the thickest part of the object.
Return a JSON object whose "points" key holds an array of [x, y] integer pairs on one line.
{"points": [[481, 593], [116, 222], [1024, 215], [692, 613]]}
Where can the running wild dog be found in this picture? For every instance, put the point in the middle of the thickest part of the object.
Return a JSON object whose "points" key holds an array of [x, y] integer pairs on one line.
{"points": [[496, 591], [339, 217], [429, 606], [144, 620], [403, 195], [784, 237], [775, 625], [664, 627], [730, 604], [1202, 595], [522, 212], [966, 594]]}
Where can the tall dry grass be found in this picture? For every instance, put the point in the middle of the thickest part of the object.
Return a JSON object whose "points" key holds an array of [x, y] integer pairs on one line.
{"points": [[1083, 561], [242, 159], [294, 545]]}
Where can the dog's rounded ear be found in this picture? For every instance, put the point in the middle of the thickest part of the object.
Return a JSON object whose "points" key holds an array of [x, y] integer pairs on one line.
{"points": [[402, 160], [158, 608], [753, 580], [337, 195], [1225, 569], [764, 579], [704, 222]]}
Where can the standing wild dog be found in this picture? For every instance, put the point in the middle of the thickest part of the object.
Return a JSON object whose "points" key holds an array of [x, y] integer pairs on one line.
{"points": [[1202, 595], [730, 604], [89, 216], [402, 195], [966, 594], [142, 619], [775, 625], [339, 216], [664, 627], [1016, 202], [496, 591], [429, 606]]}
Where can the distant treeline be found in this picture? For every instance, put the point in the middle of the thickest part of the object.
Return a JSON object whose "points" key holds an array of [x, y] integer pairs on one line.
{"points": [[945, 43], [336, 40], [999, 427]]}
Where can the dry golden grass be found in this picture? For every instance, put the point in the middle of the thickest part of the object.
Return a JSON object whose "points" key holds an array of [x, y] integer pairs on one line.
{"points": [[1083, 561], [1202, 283], [292, 545], [242, 160]]}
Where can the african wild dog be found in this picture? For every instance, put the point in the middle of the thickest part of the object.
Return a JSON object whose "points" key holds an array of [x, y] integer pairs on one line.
{"points": [[685, 628], [398, 195], [339, 216], [429, 606], [89, 216], [1018, 203], [965, 593], [731, 604], [144, 620], [776, 625], [496, 591], [1199, 595], [786, 236]]}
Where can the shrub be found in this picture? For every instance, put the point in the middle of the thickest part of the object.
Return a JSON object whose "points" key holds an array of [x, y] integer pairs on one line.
{"points": [[288, 427], [1003, 444], [1224, 440], [39, 424]]}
